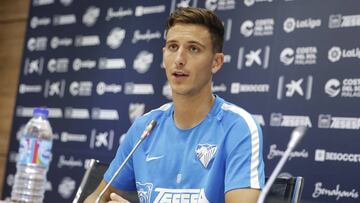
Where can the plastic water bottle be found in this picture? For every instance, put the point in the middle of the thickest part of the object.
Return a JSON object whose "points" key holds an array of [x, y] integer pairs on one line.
{"points": [[33, 159]]}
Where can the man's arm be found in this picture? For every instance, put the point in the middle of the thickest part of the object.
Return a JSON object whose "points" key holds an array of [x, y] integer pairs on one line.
{"points": [[244, 195], [129, 196]]}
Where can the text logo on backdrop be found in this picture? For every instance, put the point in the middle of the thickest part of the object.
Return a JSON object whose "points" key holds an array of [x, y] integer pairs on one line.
{"points": [[146, 10], [58, 65], [343, 21], [237, 88], [63, 2], [102, 139], [274, 152], [39, 21], [34, 66], [70, 162], [335, 53], [65, 19], [321, 155], [218, 88], [72, 137], [42, 2], [348, 88], [105, 88], [291, 24], [118, 13], [87, 40], [258, 27], [338, 192], [76, 113], [37, 43], [299, 56], [250, 3], [147, 36], [301, 87], [253, 58], [79, 64], [281, 120], [54, 88], [220, 5], [338, 122]]}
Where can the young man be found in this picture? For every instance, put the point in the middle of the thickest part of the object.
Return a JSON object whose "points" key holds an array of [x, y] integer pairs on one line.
{"points": [[203, 149]]}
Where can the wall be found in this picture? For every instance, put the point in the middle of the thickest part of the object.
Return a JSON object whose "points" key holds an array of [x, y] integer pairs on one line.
{"points": [[13, 16]]}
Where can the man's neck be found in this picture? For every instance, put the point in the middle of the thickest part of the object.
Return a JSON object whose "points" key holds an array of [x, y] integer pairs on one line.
{"points": [[191, 110]]}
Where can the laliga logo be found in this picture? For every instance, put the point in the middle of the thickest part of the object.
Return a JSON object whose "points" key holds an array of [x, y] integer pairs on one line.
{"points": [[247, 28], [287, 56], [289, 25], [334, 54], [332, 87]]}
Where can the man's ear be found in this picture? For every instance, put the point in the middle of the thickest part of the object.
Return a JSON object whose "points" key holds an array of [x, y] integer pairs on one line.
{"points": [[218, 62]]}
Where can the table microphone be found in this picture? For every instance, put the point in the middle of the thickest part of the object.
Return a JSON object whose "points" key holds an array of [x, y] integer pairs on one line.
{"points": [[296, 136], [146, 133]]}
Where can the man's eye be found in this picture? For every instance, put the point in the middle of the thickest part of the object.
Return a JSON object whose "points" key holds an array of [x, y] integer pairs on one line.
{"points": [[194, 49], [172, 47]]}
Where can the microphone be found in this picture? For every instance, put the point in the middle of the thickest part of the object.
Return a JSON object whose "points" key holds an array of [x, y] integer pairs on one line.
{"points": [[296, 136], [146, 133]]}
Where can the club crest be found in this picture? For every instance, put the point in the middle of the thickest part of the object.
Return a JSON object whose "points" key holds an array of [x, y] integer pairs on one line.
{"points": [[205, 153], [144, 191]]}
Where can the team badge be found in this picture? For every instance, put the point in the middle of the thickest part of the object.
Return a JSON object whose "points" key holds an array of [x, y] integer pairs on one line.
{"points": [[144, 191], [205, 153]]}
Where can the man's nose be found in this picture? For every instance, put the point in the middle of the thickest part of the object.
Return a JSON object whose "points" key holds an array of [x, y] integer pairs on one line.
{"points": [[180, 59]]}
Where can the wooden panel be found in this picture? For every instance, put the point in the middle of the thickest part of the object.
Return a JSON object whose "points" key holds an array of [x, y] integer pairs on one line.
{"points": [[11, 10], [2, 171], [13, 15], [10, 56]]}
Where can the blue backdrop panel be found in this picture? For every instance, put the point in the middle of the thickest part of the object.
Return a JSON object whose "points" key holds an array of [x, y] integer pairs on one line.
{"points": [[98, 65]]}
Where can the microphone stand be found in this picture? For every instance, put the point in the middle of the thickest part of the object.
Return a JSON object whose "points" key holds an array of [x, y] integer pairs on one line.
{"points": [[296, 136], [146, 132]]}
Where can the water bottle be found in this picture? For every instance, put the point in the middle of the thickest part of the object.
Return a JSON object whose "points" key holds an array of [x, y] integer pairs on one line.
{"points": [[33, 159]]}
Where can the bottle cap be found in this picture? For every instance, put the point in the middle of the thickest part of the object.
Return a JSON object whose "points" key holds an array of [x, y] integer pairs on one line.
{"points": [[41, 112]]}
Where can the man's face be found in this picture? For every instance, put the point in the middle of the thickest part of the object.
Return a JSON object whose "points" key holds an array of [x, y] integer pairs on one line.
{"points": [[189, 59]]}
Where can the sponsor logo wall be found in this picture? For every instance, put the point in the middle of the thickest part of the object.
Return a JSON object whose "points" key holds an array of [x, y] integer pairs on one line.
{"points": [[97, 66]]}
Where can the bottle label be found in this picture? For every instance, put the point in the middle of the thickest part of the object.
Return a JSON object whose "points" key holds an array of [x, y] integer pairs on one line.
{"points": [[35, 151]]}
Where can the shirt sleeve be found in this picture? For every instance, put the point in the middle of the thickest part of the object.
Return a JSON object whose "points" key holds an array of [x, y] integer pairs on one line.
{"points": [[125, 179], [244, 161]]}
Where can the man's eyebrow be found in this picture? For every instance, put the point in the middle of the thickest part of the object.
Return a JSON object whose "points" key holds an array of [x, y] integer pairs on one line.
{"points": [[190, 42]]}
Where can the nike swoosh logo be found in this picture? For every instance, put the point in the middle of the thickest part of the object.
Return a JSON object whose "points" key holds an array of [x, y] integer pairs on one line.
{"points": [[151, 158]]}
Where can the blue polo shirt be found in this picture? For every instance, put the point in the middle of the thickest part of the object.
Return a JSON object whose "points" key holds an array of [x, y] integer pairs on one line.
{"points": [[201, 164]]}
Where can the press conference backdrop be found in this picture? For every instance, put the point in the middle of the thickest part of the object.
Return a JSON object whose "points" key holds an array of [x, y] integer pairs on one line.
{"points": [[97, 65]]}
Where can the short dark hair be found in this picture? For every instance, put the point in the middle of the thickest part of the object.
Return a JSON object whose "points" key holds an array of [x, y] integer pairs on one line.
{"points": [[199, 16]]}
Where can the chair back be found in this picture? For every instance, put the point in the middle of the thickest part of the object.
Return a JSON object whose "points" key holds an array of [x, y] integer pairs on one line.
{"points": [[286, 190], [91, 179]]}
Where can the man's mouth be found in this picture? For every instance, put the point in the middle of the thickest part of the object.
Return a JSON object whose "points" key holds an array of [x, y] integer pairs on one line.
{"points": [[180, 74]]}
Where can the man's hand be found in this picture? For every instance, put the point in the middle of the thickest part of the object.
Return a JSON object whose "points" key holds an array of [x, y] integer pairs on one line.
{"points": [[114, 198]]}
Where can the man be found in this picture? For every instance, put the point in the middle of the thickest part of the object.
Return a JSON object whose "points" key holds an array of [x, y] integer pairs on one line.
{"points": [[203, 148]]}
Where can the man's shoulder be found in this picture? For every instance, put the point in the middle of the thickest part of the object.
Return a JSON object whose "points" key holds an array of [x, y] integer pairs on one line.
{"points": [[156, 114], [234, 114]]}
